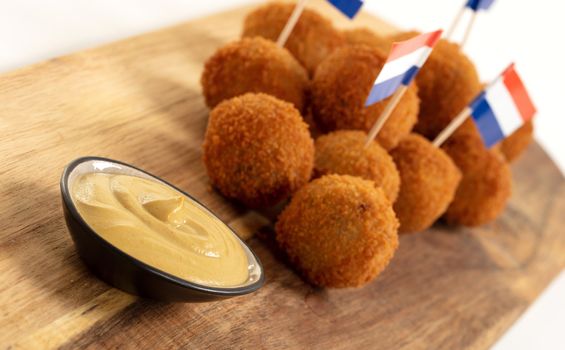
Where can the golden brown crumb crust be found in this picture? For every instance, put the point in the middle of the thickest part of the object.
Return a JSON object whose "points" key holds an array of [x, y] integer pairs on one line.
{"points": [[514, 145], [257, 149], [365, 36], [343, 152], [429, 179], [254, 65], [312, 39], [339, 231], [340, 87], [447, 83], [486, 184]]}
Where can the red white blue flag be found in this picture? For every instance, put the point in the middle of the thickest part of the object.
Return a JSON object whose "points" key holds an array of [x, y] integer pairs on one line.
{"points": [[347, 7], [477, 5], [502, 107], [403, 63]]}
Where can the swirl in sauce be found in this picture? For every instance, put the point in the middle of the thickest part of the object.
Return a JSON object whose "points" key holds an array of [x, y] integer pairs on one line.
{"points": [[161, 227]]}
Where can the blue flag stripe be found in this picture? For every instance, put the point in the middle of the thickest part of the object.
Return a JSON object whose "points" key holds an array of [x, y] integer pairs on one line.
{"points": [[410, 75], [476, 5], [348, 7], [486, 121], [383, 90]]}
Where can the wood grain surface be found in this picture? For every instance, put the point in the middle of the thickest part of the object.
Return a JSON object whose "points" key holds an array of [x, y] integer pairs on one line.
{"points": [[139, 101]]}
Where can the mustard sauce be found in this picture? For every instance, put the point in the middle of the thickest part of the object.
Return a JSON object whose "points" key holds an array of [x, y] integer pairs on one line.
{"points": [[161, 227]]}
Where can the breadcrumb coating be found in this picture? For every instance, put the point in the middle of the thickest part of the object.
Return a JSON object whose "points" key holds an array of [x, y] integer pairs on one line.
{"points": [[514, 145], [486, 185], [339, 231], [254, 65], [257, 149], [343, 152], [311, 40], [429, 179], [340, 88], [365, 36]]}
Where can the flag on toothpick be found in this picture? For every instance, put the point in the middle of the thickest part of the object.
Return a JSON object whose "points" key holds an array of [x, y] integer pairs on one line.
{"points": [[477, 5], [402, 65], [348, 7], [502, 107]]}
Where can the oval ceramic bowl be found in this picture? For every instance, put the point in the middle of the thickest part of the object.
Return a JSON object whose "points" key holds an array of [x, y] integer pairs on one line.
{"points": [[127, 273]]}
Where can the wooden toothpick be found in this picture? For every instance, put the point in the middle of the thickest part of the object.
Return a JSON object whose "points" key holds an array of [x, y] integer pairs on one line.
{"points": [[455, 23], [453, 125], [289, 26], [468, 30], [385, 114]]}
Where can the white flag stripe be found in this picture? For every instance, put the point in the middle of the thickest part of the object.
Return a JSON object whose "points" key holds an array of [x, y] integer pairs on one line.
{"points": [[504, 108], [401, 65]]}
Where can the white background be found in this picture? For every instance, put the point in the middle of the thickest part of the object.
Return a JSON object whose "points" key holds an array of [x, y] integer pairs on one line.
{"points": [[527, 32]]}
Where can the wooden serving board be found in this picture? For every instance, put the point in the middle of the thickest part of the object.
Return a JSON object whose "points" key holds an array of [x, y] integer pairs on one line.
{"points": [[139, 101]]}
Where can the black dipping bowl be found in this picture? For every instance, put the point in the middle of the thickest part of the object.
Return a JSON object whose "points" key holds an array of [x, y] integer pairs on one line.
{"points": [[127, 273]]}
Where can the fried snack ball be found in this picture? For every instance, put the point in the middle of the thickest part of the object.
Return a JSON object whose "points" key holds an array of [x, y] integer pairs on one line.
{"points": [[447, 83], [514, 145], [365, 36], [312, 39], [486, 184], [340, 87], [339, 231], [254, 65], [257, 149], [428, 178], [343, 152]]}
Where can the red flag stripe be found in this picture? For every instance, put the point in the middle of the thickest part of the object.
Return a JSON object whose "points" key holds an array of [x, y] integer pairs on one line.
{"points": [[403, 48], [519, 93]]}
